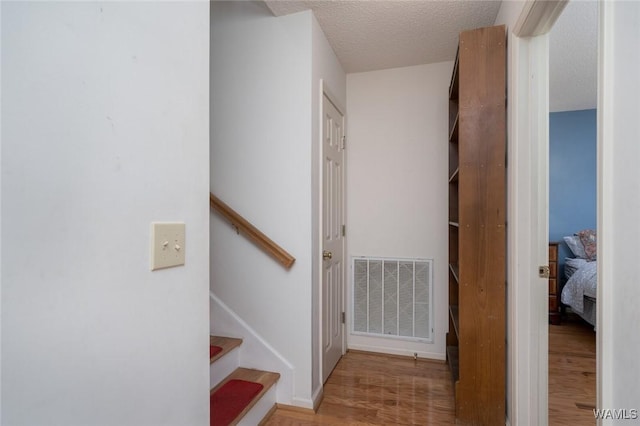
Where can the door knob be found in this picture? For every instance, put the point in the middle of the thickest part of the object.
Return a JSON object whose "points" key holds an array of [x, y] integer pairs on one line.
{"points": [[327, 255]]}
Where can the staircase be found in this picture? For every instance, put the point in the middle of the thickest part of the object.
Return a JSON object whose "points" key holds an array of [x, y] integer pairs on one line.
{"points": [[239, 396]]}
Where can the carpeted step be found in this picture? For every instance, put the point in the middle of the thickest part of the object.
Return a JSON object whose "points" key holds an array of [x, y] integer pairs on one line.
{"points": [[220, 346], [214, 350], [238, 393]]}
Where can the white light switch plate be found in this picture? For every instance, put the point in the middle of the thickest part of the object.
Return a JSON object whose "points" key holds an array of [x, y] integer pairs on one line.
{"points": [[167, 245]]}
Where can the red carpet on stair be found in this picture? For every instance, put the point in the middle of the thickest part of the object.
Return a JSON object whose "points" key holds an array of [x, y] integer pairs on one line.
{"points": [[214, 350], [229, 401]]}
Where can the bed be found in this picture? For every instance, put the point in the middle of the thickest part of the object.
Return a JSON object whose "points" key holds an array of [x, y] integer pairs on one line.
{"points": [[580, 290]]}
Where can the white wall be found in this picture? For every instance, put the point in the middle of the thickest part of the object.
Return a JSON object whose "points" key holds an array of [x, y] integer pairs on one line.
{"points": [[509, 13], [327, 74], [261, 153], [619, 207], [397, 178], [105, 121]]}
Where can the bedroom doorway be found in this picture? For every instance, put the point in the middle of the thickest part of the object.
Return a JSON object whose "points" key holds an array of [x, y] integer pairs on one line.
{"points": [[528, 234], [572, 380], [618, 67]]}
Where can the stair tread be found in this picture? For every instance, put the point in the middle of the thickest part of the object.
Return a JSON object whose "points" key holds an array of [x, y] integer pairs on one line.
{"points": [[226, 343], [265, 378]]}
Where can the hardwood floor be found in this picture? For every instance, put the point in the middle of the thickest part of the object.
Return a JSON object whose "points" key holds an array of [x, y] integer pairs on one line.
{"points": [[374, 389], [572, 373]]}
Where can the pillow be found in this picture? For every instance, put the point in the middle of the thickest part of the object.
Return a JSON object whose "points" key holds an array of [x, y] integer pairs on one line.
{"points": [[576, 247], [589, 242], [571, 265]]}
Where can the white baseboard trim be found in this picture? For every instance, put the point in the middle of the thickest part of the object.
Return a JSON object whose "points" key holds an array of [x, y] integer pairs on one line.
{"points": [[302, 403], [317, 396], [255, 352], [508, 423], [401, 352]]}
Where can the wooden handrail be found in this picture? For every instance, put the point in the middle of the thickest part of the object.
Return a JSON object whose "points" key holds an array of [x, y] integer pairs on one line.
{"points": [[244, 226]]}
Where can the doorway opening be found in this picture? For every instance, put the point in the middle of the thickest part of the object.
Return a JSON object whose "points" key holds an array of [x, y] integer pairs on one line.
{"points": [[573, 42]]}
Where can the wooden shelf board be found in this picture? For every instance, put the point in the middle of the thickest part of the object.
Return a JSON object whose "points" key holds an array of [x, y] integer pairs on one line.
{"points": [[453, 311], [453, 134], [453, 87], [454, 175], [455, 271]]}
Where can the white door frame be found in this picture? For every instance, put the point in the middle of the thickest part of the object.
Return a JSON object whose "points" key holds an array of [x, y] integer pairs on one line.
{"points": [[529, 57], [607, 107], [528, 232]]}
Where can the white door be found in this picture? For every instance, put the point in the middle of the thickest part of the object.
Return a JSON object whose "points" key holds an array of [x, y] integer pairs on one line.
{"points": [[332, 237]]}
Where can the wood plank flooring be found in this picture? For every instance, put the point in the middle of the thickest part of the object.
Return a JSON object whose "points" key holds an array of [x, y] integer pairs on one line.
{"points": [[374, 389], [572, 373]]}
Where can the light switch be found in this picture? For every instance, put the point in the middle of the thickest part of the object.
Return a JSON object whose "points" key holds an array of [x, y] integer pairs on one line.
{"points": [[167, 245]]}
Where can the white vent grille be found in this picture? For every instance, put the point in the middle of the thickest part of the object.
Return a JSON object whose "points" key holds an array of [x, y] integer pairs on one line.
{"points": [[392, 298]]}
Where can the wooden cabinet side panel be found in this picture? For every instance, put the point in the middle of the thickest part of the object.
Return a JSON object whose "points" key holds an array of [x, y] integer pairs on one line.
{"points": [[482, 234]]}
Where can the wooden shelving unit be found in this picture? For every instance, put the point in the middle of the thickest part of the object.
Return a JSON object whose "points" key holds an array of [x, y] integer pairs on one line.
{"points": [[476, 350]]}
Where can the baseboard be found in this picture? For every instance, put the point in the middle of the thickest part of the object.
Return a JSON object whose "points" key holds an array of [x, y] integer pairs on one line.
{"points": [[302, 403], [255, 352], [508, 423], [318, 396], [399, 352], [295, 409], [401, 356]]}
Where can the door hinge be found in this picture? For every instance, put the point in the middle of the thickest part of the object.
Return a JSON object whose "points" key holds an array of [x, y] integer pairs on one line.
{"points": [[344, 230], [543, 271], [343, 317], [344, 141]]}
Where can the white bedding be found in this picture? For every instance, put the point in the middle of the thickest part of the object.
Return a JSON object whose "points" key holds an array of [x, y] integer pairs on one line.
{"points": [[581, 283]]}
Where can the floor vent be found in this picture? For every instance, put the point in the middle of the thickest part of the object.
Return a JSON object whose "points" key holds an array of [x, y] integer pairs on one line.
{"points": [[392, 298]]}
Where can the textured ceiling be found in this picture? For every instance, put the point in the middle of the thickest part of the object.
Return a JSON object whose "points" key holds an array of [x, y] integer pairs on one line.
{"points": [[370, 35], [573, 56]]}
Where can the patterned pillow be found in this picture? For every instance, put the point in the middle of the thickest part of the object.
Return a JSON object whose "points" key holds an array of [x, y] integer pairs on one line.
{"points": [[590, 243], [575, 245]]}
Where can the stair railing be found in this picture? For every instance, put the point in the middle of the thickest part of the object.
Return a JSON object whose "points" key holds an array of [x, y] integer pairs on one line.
{"points": [[245, 227]]}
